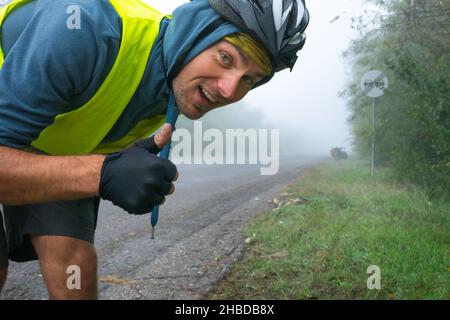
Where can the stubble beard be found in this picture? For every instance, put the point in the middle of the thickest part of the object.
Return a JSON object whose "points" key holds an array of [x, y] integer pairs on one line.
{"points": [[181, 100]]}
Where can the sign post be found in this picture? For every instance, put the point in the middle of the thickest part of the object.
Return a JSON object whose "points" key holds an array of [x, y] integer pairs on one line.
{"points": [[373, 84]]}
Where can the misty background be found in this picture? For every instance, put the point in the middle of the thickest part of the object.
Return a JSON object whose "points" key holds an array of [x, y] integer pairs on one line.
{"points": [[303, 104]]}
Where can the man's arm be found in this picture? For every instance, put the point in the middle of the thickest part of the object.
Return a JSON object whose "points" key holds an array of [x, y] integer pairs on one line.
{"points": [[32, 178]]}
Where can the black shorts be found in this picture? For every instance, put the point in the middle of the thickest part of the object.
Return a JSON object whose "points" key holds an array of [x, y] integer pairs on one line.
{"points": [[76, 219]]}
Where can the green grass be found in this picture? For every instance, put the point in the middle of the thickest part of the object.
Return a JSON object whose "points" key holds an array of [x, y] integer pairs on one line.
{"points": [[321, 248]]}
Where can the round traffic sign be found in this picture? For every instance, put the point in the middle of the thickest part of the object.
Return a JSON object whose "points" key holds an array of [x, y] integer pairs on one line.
{"points": [[373, 84]]}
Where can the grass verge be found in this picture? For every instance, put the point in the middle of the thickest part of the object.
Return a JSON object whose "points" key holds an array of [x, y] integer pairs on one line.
{"points": [[331, 225]]}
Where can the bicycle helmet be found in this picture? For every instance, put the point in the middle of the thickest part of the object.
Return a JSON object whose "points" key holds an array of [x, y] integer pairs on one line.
{"points": [[278, 25]]}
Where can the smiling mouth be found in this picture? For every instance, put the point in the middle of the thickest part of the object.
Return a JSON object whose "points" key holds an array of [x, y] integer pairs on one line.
{"points": [[208, 96]]}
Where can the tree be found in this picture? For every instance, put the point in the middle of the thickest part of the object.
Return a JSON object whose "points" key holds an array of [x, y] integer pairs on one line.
{"points": [[410, 42]]}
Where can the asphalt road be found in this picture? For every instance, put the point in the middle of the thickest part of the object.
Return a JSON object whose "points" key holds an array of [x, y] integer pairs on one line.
{"points": [[198, 237]]}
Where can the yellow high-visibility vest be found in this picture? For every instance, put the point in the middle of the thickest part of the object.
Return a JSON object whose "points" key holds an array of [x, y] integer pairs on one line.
{"points": [[81, 131]]}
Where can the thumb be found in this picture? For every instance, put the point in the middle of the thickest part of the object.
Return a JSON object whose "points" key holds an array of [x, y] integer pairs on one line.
{"points": [[163, 135]]}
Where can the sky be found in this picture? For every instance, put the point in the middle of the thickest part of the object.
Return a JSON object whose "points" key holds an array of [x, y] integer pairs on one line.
{"points": [[306, 101]]}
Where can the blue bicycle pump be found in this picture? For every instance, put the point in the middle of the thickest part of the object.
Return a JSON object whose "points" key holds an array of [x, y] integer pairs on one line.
{"points": [[171, 117]]}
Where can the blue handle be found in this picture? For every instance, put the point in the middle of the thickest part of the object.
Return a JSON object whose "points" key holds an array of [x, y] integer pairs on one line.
{"points": [[172, 116]]}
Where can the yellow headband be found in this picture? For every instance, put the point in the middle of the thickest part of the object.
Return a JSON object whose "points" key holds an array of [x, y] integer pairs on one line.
{"points": [[252, 49]]}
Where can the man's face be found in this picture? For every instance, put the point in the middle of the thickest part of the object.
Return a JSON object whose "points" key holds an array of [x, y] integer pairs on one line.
{"points": [[218, 76]]}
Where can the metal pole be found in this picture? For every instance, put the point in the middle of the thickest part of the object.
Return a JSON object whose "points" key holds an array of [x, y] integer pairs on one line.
{"points": [[373, 137]]}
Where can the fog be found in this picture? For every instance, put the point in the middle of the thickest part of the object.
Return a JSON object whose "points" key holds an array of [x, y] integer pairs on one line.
{"points": [[304, 103]]}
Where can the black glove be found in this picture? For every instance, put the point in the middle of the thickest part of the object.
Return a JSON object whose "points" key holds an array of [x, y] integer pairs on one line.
{"points": [[135, 179]]}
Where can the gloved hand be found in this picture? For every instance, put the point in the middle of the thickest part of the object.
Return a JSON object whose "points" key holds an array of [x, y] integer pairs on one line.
{"points": [[135, 179]]}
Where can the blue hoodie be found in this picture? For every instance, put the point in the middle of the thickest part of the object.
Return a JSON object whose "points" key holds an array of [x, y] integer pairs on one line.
{"points": [[49, 69]]}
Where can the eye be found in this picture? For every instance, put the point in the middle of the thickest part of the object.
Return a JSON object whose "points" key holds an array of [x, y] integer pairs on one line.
{"points": [[225, 58]]}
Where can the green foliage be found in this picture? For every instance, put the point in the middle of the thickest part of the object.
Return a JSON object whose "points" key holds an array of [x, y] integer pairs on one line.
{"points": [[411, 44]]}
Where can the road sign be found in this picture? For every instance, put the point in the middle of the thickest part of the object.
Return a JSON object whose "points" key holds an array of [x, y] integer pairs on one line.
{"points": [[373, 84]]}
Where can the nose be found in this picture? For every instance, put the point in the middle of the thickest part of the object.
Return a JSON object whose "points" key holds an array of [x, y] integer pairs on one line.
{"points": [[228, 86]]}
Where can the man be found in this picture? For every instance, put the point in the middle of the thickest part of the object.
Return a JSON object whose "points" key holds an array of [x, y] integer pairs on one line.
{"points": [[82, 80]]}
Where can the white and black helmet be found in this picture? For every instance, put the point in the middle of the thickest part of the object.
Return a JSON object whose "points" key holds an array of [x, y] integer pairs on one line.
{"points": [[278, 25]]}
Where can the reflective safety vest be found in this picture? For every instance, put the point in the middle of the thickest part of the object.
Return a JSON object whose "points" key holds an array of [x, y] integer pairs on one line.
{"points": [[81, 131]]}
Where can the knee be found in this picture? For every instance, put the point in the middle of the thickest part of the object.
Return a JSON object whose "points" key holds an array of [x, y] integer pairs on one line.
{"points": [[78, 274], [81, 270], [69, 267]]}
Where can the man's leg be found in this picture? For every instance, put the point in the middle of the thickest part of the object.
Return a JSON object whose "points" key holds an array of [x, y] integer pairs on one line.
{"points": [[3, 252], [56, 254], [3, 274]]}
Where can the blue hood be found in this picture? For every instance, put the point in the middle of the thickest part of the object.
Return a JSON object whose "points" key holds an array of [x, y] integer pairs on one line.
{"points": [[194, 27]]}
